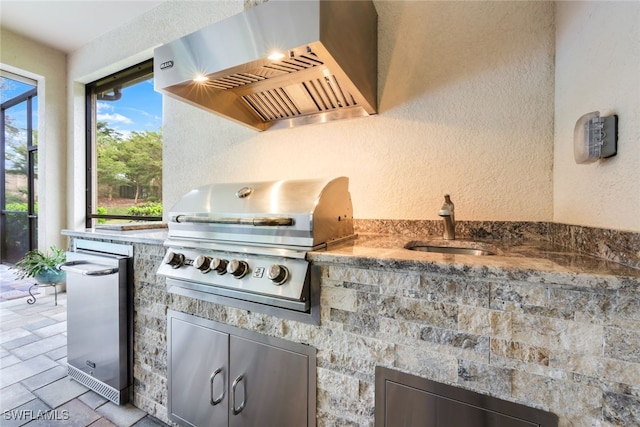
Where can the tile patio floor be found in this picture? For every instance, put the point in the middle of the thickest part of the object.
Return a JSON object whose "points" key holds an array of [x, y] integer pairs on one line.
{"points": [[34, 388], [10, 287]]}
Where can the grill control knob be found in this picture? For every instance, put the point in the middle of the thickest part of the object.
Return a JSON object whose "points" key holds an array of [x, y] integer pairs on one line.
{"points": [[238, 268], [278, 274], [175, 260], [202, 263], [219, 265]]}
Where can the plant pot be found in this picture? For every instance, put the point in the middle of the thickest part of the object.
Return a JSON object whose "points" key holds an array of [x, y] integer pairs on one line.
{"points": [[48, 277]]}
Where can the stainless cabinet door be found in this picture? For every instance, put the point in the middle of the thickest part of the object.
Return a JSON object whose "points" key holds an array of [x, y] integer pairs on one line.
{"points": [[410, 407], [198, 373], [407, 400], [269, 385]]}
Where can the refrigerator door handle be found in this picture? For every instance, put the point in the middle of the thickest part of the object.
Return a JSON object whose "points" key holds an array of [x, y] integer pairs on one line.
{"points": [[70, 266]]}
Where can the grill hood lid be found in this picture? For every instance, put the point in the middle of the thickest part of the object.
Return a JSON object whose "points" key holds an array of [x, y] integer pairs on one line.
{"points": [[302, 213], [328, 72]]}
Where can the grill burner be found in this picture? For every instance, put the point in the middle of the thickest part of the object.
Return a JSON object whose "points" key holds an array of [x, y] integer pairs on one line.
{"points": [[245, 244]]}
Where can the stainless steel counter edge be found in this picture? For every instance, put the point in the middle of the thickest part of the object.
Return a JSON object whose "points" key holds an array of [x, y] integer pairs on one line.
{"points": [[150, 236]]}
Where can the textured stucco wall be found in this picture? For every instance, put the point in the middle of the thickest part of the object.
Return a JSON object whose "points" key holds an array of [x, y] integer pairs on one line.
{"points": [[598, 69], [465, 102], [47, 66], [466, 95], [465, 107]]}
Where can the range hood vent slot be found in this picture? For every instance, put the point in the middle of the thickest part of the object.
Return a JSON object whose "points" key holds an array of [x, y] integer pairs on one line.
{"points": [[329, 69], [322, 95]]}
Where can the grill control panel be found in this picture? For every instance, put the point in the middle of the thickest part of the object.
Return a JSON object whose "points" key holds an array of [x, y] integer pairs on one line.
{"points": [[278, 277]]}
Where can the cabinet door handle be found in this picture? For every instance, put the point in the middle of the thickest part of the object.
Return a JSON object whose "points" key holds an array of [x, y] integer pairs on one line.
{"points": [[237, 409], [215, 401]]}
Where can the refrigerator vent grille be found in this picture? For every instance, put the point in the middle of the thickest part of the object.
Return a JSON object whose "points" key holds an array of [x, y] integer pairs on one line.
{"points": [[99, 387]]}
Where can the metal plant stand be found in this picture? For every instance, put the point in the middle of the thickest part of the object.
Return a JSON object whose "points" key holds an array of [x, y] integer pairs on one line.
{"points": [[32, 298], [47, 278]]}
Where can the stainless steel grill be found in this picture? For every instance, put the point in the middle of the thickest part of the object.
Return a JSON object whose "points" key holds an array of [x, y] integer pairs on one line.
{"points": [[245, 244]]}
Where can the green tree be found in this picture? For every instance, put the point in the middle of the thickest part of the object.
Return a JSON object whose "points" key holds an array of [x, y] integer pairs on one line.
{"points": [[15, 138], [16, 148], [110, 162], [143, 153], [135, 160], [16, 155]]}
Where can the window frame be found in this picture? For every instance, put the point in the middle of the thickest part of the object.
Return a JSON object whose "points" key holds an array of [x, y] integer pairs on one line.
{"points": [[129, 76], [31, 214]]}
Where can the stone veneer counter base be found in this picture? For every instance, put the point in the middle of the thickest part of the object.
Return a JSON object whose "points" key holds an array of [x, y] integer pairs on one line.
{"points": [[543, 327]]}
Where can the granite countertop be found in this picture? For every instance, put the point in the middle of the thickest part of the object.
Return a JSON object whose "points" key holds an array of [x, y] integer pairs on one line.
{"points": [[530, 260]]}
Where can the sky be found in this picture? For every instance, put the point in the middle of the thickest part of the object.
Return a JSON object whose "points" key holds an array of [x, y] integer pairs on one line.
{"points": [[139, 109], [17, 115], [11, 88]]}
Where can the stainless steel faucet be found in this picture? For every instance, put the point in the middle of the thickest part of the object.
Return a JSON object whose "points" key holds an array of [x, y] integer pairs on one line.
{"points": [[448, 215]]}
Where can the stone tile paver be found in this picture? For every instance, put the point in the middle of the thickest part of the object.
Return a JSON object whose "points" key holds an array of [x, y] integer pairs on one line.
{"points": [[13, 396], [77, 414], [24, 414], [44, 378], [19, 342], [39, 347], [26, 369], [124, 415], [50, 330], [13, 334], [93, 399], [9, 360], [103, 422], [40, 323], [149, 421], [59, 392], [57, 354]]}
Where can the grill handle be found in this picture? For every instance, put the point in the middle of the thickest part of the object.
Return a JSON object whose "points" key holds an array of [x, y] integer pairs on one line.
{"points": [[256, 221]]}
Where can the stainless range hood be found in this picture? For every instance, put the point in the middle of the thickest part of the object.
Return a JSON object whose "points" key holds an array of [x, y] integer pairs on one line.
{"points": [[327, 71]]}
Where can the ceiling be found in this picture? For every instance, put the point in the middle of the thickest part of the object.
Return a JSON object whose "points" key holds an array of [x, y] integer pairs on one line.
{"points": [[68, 25]]}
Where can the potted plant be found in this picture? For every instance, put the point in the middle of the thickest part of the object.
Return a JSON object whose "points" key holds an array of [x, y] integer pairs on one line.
{"points": [[42, 266]]}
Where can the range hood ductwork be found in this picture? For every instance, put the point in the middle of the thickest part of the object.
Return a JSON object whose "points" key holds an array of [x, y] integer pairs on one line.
{"points": [[327, 69]]}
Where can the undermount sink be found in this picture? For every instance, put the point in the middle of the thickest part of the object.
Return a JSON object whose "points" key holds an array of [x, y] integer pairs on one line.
{"points": [[453, 247]]}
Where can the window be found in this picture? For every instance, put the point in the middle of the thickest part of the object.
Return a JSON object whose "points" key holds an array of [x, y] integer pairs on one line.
{"points": [[18, 166], [124, 148]]}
